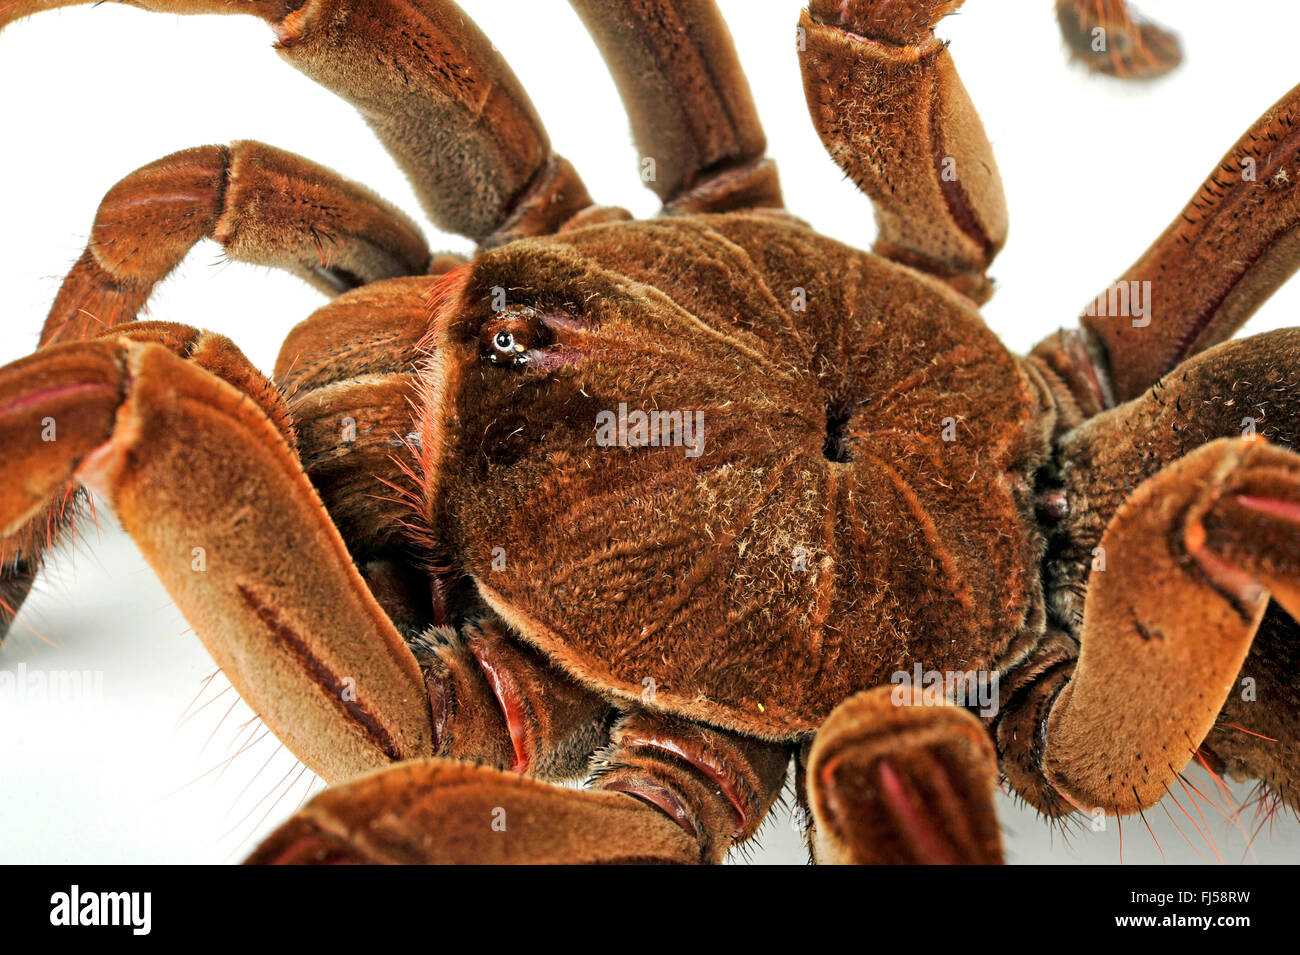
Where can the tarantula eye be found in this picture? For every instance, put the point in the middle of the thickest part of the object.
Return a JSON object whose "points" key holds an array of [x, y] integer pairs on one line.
{"points": [[511, 340]]}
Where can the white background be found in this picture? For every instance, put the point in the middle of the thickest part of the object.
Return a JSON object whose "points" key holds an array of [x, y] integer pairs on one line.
{"points": [[1094, 170]]}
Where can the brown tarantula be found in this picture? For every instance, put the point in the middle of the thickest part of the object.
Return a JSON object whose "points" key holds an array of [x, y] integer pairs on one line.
{"points": [[674, 502]]}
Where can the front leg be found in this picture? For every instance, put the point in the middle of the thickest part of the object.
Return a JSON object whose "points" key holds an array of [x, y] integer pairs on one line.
{"points": [[262, 204], [890, 780], [462, 127], [891, 110], [662, 791], [1231, 247], [22, 551], [1191, 560], [439, 812], [211, 492], [690, 106]]}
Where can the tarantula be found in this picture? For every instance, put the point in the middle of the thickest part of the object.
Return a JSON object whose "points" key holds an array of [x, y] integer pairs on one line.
{"points": [[674, 502]]}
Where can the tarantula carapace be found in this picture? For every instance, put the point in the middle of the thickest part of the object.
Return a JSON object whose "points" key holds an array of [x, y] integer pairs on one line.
{"points": [[671, 503]]}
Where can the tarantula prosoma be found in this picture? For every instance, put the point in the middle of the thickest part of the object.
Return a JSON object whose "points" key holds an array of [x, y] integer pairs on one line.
{"points": [[880, 483]]}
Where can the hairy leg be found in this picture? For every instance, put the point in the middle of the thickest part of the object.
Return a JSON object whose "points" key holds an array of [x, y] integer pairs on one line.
{"points": [[893, 113], [464, 130], [664, 791], [892, 781], [191, 445], [439, 812], [692, 114], [23, 548], [212, 493], [263, 205], [1230, 248], [1191, 560]]}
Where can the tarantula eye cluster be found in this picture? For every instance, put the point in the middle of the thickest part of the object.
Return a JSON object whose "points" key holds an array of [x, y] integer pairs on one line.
{"points": [[512, 339]]}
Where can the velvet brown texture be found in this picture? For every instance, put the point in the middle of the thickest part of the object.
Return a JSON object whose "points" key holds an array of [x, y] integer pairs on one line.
{"points": [[675, 568]]}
